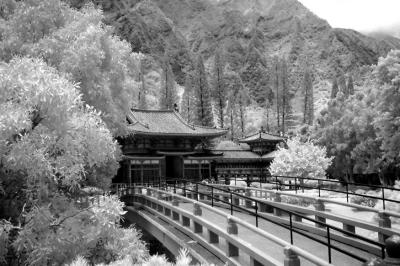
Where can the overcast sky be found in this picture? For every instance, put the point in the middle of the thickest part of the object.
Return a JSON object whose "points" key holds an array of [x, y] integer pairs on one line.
{"points": [[361, 15]]}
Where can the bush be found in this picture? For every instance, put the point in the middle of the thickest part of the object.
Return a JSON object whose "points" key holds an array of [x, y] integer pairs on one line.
{"points": [[363, 201], [297, 201]]}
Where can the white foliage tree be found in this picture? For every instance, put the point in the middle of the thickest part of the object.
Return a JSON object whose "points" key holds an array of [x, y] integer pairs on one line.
{"points": [[55, 141], [300, 159], [79, 44]]}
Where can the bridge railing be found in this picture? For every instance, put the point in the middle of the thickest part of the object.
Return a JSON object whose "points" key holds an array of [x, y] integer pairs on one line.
{"points": [[234, 244], [230, 199], [300, 183], [249, 202], [383, 228]]}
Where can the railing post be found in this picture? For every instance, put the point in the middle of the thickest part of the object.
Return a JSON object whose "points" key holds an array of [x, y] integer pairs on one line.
{"points": [[232, 229], [383, 197], [319, 206], [248, 203], [236, 201], [175, 201], [392, 250], [198, 228], [385, 222], [291, 258], [256, 207], [231, 203], [277, 212], [159, 195], [319, 188], [302, 184], [328, 235], [347, 192], [196, 209], [291, 227], [212, 196]]}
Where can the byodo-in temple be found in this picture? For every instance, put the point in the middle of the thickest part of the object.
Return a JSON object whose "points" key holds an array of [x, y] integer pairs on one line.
{"points": [[163, 146]]}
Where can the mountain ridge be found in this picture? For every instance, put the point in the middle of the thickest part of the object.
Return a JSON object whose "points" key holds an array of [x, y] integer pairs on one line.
{"points": [[284, 28]]}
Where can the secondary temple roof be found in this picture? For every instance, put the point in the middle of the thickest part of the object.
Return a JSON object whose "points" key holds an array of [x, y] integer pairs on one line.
{"points": [[262, 136], [167, 123], [243, 155]]}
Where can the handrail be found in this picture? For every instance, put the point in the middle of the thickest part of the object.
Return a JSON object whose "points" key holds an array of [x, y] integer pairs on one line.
{"points": [[347, 204], [303, 217], [290, 227], [303, 186], [337, 181], [306, 255]]}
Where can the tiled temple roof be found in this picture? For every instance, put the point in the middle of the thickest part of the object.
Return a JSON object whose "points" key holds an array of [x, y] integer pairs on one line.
{"points": [[243, 155], [262, 136], [167, 123]]}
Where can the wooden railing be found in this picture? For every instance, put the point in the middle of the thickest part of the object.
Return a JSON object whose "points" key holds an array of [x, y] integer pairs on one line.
{"points": [[167, 203], [383, 228], [300, 183], [234, 204]]}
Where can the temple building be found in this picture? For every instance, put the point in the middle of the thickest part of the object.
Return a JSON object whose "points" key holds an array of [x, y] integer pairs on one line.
{"points": [[250, 162], [162, 146]]}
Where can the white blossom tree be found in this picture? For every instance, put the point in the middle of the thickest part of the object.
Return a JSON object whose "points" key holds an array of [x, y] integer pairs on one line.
{"points": [[300, 159]]}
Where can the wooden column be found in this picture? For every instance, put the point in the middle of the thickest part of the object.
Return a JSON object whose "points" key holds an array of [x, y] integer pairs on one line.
{"points": [[159, 169], [183, 167], [129, 173], [141, 171], [209, 170], [199, 162]]}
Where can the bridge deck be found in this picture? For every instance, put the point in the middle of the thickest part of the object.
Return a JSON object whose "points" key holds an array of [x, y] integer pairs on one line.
{"points": [[252, 240], [274, 250]]}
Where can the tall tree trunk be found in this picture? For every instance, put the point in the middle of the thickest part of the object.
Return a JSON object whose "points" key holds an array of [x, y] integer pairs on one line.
{"points": [[311, 105], [188, 109], [232, 130], [306, 111], [242, 119], [221, 112], [284, 93], [276, 81]]}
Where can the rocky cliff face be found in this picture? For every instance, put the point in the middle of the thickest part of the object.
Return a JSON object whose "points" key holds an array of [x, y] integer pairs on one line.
{"points": [[244, 28]]}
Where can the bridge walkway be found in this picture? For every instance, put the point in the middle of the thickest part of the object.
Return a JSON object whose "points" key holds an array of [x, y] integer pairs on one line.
{"points": [[301, 241], [257, 241]]}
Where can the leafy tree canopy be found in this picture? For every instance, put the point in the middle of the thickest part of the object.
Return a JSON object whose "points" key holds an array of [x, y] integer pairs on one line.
{"points": [[302, 159], [79, 44]]}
